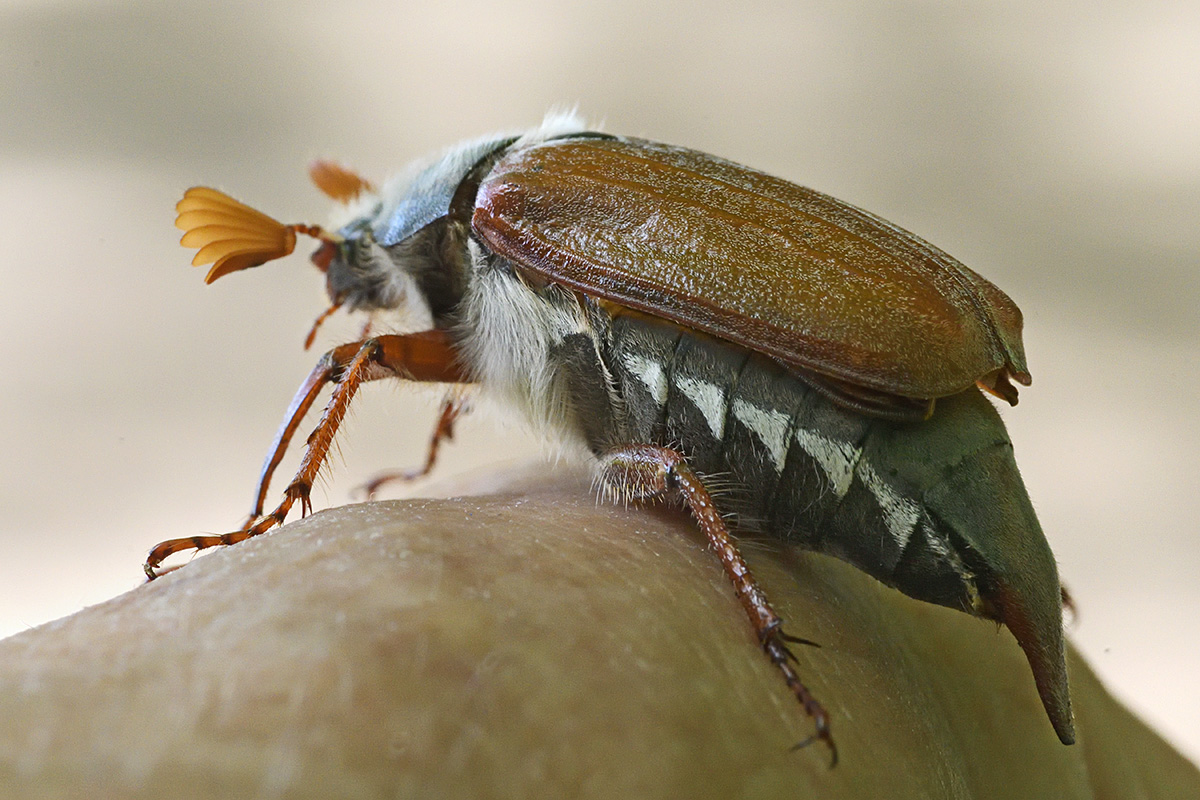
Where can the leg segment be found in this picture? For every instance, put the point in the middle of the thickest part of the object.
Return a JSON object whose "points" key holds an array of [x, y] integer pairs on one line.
{"points": [[424, 356], [452, 409], [639, 472]]}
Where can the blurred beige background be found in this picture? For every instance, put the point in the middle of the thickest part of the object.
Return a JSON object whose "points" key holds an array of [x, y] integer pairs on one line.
{"points": [[1054, 147]]}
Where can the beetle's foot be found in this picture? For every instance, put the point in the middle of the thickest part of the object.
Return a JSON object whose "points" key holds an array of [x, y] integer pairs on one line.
{"points": [[253, 526], [164, 550], [783, 658], [369, 489]]}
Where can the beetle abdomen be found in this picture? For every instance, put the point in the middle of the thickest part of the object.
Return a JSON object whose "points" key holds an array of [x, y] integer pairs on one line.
{"points": [[790, 462], [936, 508]]}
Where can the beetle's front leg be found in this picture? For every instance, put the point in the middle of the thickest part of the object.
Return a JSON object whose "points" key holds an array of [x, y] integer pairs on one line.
{"points": [[425, 356], [639, 472]]}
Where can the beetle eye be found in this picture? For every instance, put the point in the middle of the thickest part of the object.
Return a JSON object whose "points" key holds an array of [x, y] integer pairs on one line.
{"points": [[323, 256]]}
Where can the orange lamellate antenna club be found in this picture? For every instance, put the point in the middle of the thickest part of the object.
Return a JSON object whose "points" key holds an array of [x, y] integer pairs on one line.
{"points": [[233, 236], [337, 182]]}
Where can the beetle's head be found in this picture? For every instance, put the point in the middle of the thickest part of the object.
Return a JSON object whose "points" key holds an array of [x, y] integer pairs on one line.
{"points": [[400, 248], [406, 244], [407, 241]]}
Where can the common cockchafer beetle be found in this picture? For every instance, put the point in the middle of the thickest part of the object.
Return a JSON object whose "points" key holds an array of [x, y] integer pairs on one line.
{"points": [[686, 316]]}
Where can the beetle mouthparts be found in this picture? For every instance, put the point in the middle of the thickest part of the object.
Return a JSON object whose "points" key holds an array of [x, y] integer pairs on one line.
{"points": [[233, 236]]}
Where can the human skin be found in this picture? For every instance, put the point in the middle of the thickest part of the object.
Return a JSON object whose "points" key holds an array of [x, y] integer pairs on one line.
{"points": [[535, 644]]}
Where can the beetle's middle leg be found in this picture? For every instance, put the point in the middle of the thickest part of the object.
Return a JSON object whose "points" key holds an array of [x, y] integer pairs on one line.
{"points": [[425, 356], [453, 407], [646, 471]]}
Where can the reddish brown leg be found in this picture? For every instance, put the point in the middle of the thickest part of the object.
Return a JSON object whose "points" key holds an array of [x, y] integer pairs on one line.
{"points": [[316, 326], [452, 409], [648, 471], [426, 356]]}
